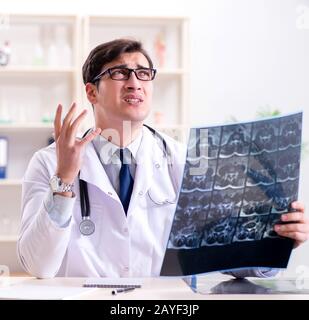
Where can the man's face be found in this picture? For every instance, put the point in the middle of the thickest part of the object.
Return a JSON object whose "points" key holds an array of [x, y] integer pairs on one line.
{"points": [[125, 100]]}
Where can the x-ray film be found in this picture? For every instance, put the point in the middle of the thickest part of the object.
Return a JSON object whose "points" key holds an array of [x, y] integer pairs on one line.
{"points": [[238, 180]]}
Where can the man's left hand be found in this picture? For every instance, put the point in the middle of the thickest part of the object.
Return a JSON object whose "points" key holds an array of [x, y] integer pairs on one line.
{"points": [[297, 225]]}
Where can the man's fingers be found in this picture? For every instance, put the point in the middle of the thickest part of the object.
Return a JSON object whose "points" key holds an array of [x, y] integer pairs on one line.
{"points": [[90, 136], [292, 227], [298, 236], [57, 122], [298, 206], [76, 123], [293, 216], [68, 118]]}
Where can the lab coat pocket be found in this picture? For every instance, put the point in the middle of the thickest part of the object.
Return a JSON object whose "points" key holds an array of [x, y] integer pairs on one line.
{"points": [[162, 193]]}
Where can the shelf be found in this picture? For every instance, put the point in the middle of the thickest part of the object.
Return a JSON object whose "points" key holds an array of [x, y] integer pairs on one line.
{"points": [[123, 21], [25, 18], [10, 182], [29, 126], [15, 70], [8, 238]]}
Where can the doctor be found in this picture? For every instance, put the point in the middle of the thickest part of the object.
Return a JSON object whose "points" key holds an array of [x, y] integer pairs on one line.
{"points": [[131, 175]]}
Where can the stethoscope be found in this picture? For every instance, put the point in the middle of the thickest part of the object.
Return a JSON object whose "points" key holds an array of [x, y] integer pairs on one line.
{"points": [[87, 226]]}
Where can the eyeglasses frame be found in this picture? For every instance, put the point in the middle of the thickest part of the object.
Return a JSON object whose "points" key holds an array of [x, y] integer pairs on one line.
{"points": [[109, 70]]}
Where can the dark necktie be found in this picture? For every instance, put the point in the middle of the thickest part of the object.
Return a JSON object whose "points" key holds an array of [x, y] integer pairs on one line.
{"points": [[125, 182]]}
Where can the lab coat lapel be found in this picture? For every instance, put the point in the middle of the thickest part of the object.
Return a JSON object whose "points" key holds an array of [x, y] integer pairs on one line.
{"points": [[145, 159], [92, 170]]}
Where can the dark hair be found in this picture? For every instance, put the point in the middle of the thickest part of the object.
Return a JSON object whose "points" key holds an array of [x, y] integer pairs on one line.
{"points": [[107, 52]]}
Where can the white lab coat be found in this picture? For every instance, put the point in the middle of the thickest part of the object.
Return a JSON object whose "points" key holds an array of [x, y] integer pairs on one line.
{"points": [[121, 246]]}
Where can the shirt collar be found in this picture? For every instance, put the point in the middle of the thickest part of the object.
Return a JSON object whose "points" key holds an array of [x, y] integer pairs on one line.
{"points": [[108, 152]]}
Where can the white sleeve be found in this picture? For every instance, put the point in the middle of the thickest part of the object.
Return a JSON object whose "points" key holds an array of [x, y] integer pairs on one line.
{"points": [[42, 243], [59, 208]]}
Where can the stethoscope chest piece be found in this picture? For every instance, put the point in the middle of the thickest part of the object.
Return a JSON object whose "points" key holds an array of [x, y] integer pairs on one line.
{"points": [[86, 226]]}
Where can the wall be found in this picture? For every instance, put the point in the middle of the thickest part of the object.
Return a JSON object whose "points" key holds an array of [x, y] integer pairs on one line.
{"points": [[245, 55]]}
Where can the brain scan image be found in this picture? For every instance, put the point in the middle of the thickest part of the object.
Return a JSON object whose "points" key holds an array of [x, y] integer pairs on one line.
{"points": [[219, 232], [256, 201], [290, 132], [288, 164], [261, 169], [238, 180], [185, 234], [199, 182], [243, 184], [269, 231], [194, 205], [264, 137], [225, 203], [284, 194], [213, 144], [235, 140], [250, 228], [204, 142], [231, 173]]}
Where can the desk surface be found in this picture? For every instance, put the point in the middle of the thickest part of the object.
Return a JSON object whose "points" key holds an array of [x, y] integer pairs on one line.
{"points": [[152, 289]]}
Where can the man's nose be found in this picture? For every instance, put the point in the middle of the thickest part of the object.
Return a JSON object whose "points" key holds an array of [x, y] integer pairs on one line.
{"points": [[133, 82]]}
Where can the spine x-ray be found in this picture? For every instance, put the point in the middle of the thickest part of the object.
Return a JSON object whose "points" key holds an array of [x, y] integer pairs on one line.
{"points": [[238, 180]]}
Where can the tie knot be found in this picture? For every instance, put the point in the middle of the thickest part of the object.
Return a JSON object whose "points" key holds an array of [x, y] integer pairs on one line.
{"points": [[125, 156]]}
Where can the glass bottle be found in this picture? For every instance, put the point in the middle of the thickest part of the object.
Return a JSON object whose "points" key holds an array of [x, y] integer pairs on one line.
{"points": [[5, 53]]}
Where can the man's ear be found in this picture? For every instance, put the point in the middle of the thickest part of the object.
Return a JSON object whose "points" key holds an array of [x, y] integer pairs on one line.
{"points": [[91, 91]]}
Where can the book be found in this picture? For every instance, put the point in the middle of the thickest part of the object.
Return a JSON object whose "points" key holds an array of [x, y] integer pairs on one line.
{"points": [[3, 157], [113, 283], [238, 180]]}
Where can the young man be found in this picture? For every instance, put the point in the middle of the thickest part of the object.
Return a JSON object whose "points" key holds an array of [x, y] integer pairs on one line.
{"points": [[131, 175]]}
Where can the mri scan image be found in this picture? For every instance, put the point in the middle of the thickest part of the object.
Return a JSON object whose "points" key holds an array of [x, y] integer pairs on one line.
{"points": [[235, 140], [290, 132], [250, 228], [257, 201], [262, 169], [225, 203], [219, 232], [204, 142], [231, 172], [186, 231], [264, 137], [284, 194], [238, 180], [194, 205], [195, 180], [270, 231], [288, 164]]}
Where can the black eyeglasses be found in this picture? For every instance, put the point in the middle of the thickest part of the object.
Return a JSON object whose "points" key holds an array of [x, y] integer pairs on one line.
{"points": [[122, 73]]}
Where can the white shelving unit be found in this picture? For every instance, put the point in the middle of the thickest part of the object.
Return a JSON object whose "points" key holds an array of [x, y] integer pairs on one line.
{"points": [[47, 54], [34, 81]]}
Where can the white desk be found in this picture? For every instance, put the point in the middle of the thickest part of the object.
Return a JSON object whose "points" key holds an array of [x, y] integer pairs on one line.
{"points": [[152, 289]]}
